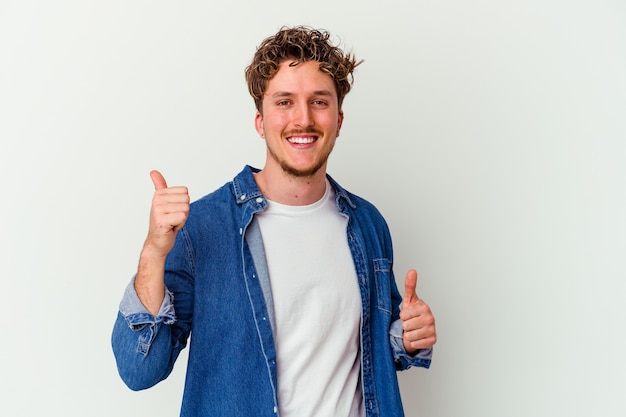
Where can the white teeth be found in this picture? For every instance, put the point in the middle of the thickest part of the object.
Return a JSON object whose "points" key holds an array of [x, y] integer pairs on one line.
{"points": [[301, 140]]}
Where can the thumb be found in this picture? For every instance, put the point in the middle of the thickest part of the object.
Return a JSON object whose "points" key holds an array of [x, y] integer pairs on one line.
{"points": [[410, 282], [158, 180]]}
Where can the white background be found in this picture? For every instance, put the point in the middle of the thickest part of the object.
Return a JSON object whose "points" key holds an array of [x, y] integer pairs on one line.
{"points": [[490, 133]]}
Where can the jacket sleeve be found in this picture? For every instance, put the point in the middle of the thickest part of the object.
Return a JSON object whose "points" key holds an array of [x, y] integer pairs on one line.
{"points": [[146, 347], [140, 341]]}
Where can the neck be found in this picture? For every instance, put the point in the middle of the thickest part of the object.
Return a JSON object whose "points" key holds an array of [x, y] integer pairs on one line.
{"points": [[287, 189]]}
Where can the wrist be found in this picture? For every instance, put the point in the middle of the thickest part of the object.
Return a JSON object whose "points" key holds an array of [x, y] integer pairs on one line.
{"points": [[152, 254]]}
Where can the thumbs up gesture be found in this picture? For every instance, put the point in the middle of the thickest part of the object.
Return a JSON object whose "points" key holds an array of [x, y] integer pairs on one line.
{"points": [[169, 211], [418, 321]]}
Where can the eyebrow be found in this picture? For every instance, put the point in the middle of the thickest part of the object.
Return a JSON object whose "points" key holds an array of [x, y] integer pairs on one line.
{"points": [[279, 94]]}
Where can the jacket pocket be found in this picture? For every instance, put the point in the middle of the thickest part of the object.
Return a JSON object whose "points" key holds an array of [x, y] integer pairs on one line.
{"points": [[382, 276]]}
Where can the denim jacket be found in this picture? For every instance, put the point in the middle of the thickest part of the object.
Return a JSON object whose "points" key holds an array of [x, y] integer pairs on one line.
{"points": [[218, 290]]}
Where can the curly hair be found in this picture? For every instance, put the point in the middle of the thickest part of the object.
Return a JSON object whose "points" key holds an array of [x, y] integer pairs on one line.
{"points": [[300, 43]]}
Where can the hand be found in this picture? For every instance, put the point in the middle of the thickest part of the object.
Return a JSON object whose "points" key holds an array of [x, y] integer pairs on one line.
{"points": [[418, 321], [170, 208], [169, 211]]}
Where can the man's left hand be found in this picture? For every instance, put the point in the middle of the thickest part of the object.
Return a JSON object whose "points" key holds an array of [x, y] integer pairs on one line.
{"points": [[418, 322]]}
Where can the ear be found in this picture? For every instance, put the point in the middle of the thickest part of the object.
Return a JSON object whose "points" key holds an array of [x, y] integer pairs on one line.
{"points": [[339, 121], [258, 124]]}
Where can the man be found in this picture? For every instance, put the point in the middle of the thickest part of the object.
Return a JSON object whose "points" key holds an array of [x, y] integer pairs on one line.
{"points": [[282, 278]]}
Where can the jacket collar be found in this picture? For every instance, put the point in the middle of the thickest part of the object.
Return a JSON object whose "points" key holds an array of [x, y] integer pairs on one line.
{"points": [[244, 185]]}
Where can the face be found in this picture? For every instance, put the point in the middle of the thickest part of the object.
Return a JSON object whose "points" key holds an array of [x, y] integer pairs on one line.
{"points": [[300, 119]]}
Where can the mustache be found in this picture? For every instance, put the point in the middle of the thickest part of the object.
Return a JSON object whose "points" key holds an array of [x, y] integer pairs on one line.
{"points": [[303, 132]]}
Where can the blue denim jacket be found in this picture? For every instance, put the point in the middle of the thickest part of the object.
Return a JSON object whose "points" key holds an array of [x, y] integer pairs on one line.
{"points": [[218, 291]]}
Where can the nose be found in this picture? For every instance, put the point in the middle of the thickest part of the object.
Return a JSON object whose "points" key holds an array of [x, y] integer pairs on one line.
{"points": [[302, 116]]}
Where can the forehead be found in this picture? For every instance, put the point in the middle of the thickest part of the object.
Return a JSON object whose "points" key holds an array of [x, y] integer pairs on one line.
{"points": [[300, 76]]}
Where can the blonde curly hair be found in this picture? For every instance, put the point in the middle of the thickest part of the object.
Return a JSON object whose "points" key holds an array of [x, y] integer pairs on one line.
{"points": [[300, 43]]}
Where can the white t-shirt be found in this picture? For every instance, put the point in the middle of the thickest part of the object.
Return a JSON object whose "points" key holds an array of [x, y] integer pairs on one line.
{"points": [[317, 305]]}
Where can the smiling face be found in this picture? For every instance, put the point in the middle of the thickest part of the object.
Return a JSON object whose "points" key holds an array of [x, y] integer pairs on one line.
{"points": [[300, 119]]}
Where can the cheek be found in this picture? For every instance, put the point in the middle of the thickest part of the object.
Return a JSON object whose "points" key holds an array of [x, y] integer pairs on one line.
{"points": [[276, 124], [333, 124]]}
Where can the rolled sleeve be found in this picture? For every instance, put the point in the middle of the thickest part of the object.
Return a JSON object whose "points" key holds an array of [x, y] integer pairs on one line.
{"points": [[141, 342], [136, 314]]}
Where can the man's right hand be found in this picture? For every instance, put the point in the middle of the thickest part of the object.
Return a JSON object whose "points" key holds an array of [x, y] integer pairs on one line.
{"points": [[170, 208]]}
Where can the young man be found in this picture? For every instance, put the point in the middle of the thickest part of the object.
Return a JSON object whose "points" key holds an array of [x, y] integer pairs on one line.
{"points": [[283, 278]]}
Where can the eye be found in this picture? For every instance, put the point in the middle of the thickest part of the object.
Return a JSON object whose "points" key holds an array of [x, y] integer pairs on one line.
{"points": [[320, 103], [283, 103]]}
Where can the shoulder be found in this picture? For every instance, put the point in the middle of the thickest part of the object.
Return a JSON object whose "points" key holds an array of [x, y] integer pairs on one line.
{"points": [[227, 195], [212, 212], [353, 201], [359, 209]]}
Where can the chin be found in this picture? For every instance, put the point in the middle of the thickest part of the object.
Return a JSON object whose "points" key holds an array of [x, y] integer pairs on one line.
{"points": [[305, 172]]}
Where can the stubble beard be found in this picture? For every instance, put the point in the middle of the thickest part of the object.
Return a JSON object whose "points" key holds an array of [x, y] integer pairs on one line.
{"points": [[301, 173]]}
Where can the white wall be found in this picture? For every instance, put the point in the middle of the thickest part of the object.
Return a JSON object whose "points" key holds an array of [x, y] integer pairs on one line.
{"points": [[490, 133]]}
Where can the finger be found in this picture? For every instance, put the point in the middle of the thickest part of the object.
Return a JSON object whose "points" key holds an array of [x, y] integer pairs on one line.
{"points": [[158, 180], [419, 338], [417, 315], [410, 282], [411, 309], [171, 195]]}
